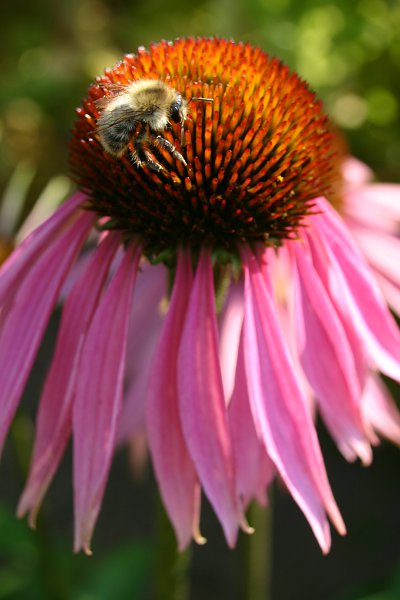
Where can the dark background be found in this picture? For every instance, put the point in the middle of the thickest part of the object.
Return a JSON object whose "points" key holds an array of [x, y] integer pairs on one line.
{"points": [[49, 52]]}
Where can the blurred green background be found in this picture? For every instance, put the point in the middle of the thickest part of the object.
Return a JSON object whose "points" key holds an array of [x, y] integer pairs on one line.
{"points": [[349, 52]]}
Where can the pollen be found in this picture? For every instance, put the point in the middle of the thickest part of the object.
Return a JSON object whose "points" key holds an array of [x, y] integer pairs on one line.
{"points": [[255, 157]]}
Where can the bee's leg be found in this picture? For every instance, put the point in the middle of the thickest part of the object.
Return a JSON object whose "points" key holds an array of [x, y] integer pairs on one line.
{"points": [[140, 155], [170, 147], [183, 142]]}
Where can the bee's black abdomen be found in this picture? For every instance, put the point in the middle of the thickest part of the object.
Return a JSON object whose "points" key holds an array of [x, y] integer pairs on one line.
{"points": [[116, 129]]}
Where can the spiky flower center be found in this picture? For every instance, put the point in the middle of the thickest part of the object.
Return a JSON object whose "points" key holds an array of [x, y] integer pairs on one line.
{"points": [[256, 156]]}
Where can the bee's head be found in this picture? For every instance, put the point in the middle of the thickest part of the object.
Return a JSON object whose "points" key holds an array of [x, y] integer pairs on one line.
{"points": [[178, 110]]}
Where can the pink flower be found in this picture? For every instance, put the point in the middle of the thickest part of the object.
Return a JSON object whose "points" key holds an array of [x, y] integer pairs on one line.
{"points": [[274, 311]]}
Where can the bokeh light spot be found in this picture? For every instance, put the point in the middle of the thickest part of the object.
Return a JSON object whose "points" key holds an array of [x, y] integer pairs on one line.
{"points": [[23, 114], [34, 63], [382, 106], [349, 111]]}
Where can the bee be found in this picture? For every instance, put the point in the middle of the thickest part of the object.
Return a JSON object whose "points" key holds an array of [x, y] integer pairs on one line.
{"points": [[139, 114]]}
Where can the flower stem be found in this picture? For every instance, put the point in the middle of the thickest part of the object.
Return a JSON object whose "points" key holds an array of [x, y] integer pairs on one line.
{"points": [[22, 436], [258, 555], [171, 567], [51, 576]]}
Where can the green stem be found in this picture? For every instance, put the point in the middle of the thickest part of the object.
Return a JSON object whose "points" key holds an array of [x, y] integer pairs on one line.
{"points": [[258, 555], [52, 579], [171, 567], [22, 436]]}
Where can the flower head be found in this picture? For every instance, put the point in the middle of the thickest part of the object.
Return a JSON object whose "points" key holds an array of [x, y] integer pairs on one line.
{"points": [[257, 155], [273, 310]]}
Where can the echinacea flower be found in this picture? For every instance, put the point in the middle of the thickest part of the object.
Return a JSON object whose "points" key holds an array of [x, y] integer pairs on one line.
{"points": [[261, 247]]}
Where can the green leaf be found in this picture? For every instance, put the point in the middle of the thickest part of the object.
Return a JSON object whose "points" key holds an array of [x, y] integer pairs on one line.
{"points": [[120, 575]]}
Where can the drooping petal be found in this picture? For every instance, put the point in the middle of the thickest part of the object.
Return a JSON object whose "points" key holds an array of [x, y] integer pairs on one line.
{"points": [[280, 280], [322, 265], [98, 397], [376, 205], [390, 290], [53, 423], [26, 254], [79, 267], [355, 173], [382, 251], [145, 326], [254, 469], [381, 410], [277, 271], [280, 409], [230, 328], [173, 466], [30, 310], [202, 406], [327, 359], [356, 291], [149, 295]]}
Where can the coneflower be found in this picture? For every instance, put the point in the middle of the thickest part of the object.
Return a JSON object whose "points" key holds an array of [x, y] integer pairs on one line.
{"points": [[273, 309]]}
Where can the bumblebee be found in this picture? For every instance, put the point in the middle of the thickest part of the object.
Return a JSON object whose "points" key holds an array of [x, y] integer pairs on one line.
{"points": [[139, 114]]}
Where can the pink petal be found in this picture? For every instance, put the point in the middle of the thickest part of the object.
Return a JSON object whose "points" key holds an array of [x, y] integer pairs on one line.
{"points": [[376, 205], [230, 328], [356, 291], [53, 426], [390, 291], [280, 409], [79, 267], [172, 463], [145, 325], [281, 284], [322, 264], [21, 260], [254, 469], [30, 310], [98, 398], [383, 253], [381, 410], [327, 359], [384, 197], [277, 273], [202, 405], [355, 172]]}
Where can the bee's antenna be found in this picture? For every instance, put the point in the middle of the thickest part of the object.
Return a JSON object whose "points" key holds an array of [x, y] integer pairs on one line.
{"points": [[194, 99]]}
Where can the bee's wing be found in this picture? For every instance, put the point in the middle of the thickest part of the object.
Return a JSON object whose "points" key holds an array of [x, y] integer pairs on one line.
{"points": [[121, 114], [101, 103], [111, 91], [112, 86]]}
